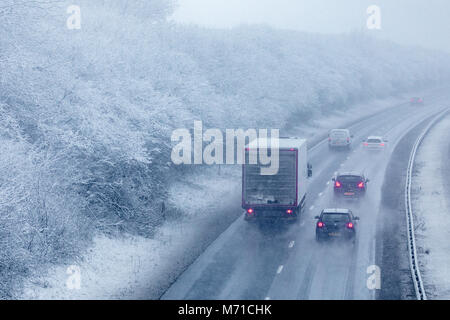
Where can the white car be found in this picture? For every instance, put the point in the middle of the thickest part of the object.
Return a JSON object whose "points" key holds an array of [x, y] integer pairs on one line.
{"points": [[339, 138], [375, 143]]}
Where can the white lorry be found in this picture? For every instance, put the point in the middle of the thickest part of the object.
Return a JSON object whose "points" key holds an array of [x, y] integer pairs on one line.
{"points": [[280, 195]]}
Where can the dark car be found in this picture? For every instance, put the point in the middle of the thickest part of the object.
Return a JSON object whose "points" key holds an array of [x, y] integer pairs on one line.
{"points": [[336, 223], [416, 101], [350, 185]]}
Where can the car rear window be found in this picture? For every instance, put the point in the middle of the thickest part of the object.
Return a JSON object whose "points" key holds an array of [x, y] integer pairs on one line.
{"points": [[339, 134], [373, 140], [335, 217], [349, 178]]}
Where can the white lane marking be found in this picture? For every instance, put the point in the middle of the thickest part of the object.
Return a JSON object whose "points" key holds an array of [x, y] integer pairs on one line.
{"points": [[328, 182], [342, 164], [291, 244], [320, 194], [302, 223], [280, 268], [267, 298], [311, 208]]}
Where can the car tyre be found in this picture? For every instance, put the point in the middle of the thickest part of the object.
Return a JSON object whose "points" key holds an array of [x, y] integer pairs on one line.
{"points": [[293, 220], [319, 239], [248, 218]]}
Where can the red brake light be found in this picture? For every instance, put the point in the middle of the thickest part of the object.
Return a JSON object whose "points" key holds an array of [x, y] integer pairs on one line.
{"points": [[361, 185], [320, 224], [250, 210], [289, 211], [350, 225], [366, 144], [337, 184], [382, 144]]}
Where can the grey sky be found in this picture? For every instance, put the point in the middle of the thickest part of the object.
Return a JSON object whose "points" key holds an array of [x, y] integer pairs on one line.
{"points": [[420, 22]]}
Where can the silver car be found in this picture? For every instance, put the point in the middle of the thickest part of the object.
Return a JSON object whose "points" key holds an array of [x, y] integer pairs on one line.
{"points": [[339, 138], [375, 143]]}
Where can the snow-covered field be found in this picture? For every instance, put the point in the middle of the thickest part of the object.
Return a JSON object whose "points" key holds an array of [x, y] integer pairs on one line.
{"points": [[137, 267], [431, 205]]}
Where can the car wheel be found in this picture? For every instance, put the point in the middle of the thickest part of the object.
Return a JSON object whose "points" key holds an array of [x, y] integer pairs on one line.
{"points": [[293, 220], [319, 238], [249, 218]]}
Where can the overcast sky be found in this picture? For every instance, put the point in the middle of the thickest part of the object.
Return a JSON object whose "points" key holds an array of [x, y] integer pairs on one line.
{"points": [[421, 22]]}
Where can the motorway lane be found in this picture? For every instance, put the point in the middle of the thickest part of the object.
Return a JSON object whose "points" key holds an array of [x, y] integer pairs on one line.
{"points": [[338, 270], [280, 261]]}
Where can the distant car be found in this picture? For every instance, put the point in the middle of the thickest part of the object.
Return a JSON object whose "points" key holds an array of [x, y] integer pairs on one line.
{"points": [[336, 223], [375, 143], [350, 185], [339, 138], [416, 101]]}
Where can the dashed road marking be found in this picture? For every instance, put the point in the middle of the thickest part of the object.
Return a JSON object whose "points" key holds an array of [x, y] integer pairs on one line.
{"points": [[320, 194], [328, 182], [311, 208], [291, 244], [280, 268]]}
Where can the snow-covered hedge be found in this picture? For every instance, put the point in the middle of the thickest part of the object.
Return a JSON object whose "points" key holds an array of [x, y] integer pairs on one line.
{"points": [[86, 115]]}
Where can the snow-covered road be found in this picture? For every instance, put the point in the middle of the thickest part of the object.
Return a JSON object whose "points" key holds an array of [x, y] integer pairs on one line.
{"points": [[285, 262]]}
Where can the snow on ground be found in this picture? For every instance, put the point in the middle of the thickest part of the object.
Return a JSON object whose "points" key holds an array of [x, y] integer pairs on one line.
{"points": [[141, 268], [136, 267], [431, 205]]}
